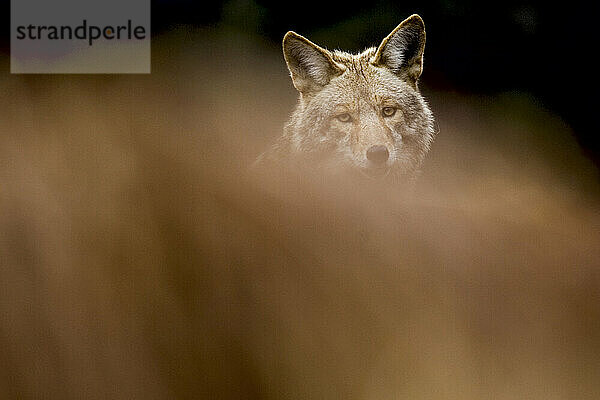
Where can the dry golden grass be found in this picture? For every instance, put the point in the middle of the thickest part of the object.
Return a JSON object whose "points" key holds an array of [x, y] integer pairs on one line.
{"points": [[140, 258]]}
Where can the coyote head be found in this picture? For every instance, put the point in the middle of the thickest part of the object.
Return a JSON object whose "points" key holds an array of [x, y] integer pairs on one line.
{"points": [[362, 110]]}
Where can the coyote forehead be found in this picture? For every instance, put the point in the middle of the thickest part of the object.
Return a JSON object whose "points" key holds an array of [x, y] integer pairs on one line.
{"points": [[359, 111], [362, 81]]}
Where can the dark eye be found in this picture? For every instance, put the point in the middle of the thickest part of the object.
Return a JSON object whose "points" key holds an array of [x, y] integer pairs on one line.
{"points": [[345, 117], [388, 111]]}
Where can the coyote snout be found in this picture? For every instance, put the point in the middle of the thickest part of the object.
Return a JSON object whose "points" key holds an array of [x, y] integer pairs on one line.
{"points": [[362, 111], [378, 155]]}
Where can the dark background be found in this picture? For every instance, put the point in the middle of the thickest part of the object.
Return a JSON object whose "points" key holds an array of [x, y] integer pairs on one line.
{"points": [[545, 49]]}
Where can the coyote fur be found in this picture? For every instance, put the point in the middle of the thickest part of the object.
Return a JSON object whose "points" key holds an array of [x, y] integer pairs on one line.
{"points": [[361, 111]]}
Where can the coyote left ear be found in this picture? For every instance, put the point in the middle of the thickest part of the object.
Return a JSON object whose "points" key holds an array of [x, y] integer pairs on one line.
{"points": [[402, 50], [311, 66]]}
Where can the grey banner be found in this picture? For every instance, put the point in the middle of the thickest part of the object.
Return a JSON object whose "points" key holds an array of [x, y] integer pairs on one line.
{"points": [[80, 36]]}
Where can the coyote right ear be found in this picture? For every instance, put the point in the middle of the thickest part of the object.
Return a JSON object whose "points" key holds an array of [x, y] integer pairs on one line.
{"points": [[402, 50], [311, 66]]}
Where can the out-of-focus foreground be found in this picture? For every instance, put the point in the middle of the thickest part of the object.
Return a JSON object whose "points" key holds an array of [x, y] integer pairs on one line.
{"points": [[140, 258]]}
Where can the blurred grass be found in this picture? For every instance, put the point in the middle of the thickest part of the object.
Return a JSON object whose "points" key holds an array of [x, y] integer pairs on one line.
{"points": [[139, 258]]}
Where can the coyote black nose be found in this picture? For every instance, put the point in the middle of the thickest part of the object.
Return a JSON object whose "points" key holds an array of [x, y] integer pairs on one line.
{"points": [[378, 154]]}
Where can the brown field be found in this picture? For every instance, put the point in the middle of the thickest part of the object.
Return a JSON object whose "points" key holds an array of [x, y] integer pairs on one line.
{"points": [[141, 258]]}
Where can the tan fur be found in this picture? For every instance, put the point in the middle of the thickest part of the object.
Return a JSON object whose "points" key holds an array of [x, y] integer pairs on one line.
{"points": [[334, 84]]}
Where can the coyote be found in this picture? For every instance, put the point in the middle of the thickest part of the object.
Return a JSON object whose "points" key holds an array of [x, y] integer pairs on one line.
{"points": [[362, 111]]}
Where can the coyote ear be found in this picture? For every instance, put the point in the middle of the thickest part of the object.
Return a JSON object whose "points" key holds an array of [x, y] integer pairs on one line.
{"points": [[402, 50], [311, 66]]}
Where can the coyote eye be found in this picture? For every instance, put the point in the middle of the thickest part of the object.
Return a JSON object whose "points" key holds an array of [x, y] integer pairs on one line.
{"points": [[345, 117], [388, 111]]}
